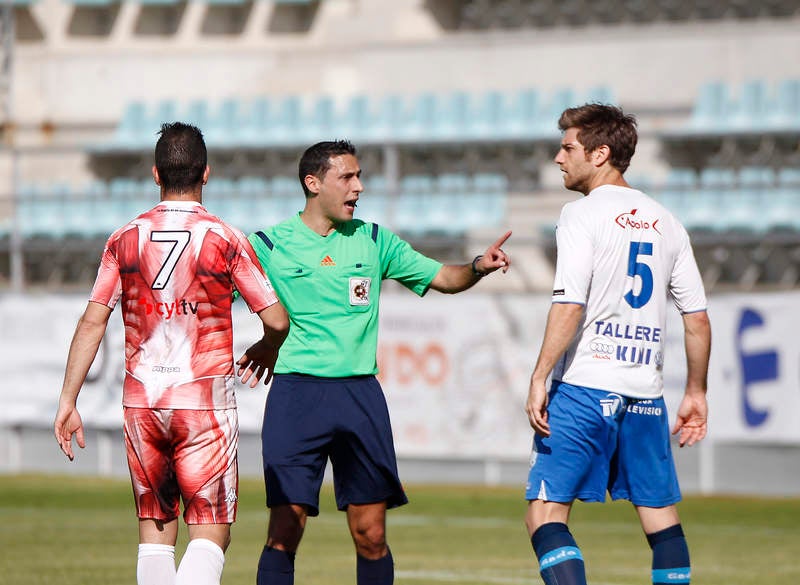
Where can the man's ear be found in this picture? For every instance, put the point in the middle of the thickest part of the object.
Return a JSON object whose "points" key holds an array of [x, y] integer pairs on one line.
{"points": [[312, 183], [156, 178], [601, 155], [206, 173]]}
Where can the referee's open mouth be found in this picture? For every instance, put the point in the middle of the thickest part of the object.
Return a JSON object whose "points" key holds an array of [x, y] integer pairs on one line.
{"points": [[351, 204]]}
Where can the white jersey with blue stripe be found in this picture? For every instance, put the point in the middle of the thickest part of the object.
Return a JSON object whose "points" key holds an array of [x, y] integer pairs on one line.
{"points": [[625, 257]]}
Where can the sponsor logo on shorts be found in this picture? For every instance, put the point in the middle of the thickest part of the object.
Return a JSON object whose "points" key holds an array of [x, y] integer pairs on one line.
{"points": [[610, 404], [231, 497], [644, 407]]}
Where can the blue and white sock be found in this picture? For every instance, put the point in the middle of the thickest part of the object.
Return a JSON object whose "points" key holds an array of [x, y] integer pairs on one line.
{"points": [[670, 556], [560, 559]]}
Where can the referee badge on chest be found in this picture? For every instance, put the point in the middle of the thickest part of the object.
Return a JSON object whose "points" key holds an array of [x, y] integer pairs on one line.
{"points": [[359, 291]]}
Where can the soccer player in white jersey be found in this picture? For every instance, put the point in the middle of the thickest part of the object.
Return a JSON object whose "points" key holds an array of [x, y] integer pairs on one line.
{"points": [[174, 269], [603, 426]]}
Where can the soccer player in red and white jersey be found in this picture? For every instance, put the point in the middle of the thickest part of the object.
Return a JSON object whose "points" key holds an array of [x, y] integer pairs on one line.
{"points": [[173, 269], [623, 259]]}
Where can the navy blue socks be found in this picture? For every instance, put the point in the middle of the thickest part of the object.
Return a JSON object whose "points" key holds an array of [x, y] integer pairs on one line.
{"points": [[670, 556], [377, 572], [560, 559], [275, 567]]}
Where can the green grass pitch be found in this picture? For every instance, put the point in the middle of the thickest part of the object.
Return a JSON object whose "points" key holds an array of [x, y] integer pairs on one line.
{"points": [[81, 531]]}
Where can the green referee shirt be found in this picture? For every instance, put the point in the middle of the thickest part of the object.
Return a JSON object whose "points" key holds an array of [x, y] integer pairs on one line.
{"points": [[330, 287]]}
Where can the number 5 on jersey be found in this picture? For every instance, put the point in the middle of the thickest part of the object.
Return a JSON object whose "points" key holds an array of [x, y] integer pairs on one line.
{"points": [[637, 267]]}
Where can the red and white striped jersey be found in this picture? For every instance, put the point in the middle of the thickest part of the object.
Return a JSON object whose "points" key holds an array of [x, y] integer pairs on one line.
{"points": [[175, 268]]}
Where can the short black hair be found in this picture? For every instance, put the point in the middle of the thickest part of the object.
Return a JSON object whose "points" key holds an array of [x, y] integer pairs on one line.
{"points": [[181, 156], [316, 159]]}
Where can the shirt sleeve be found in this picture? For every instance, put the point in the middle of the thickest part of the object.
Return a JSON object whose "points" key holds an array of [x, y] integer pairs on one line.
{"points": [[404, 264], [107, 287], [575, 258], [249, 278], [686, 283]]}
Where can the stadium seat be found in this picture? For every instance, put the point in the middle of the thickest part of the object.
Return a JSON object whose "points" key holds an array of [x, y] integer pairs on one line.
{"points": [[600, 94], [751, 108], [320, 124], [373, 203], [489, 117], [165, 112], [523, 115], [786, 113], [133, 126], [286, 125], [711, 107], [453, 118], [559, 101], [411, 206], [390, 120], [744, 203], [421, 118], [196, 113], [779, 211], [357, 123], [448, 206]]}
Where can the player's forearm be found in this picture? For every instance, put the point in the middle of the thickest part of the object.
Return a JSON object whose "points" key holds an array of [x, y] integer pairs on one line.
{"points": [[697, 341], [562, 323], [82, 351], [276, 325]]}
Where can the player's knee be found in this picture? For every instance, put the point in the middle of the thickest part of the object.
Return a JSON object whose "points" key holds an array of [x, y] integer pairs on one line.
{"points": [[286, 526], [370, 541]]}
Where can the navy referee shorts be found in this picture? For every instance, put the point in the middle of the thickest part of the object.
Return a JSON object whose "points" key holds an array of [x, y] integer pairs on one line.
{"points": [[308, 420]]}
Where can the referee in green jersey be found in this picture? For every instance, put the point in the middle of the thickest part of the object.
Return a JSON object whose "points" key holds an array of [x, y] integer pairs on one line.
{"points": [[325, 401]]}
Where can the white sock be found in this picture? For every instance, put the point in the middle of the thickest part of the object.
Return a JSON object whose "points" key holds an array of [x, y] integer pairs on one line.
{"points": [[201, 563], [156, 565]]}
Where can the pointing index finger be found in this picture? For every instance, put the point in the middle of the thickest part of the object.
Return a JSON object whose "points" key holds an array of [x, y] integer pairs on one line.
{"points": [[502, 240]]}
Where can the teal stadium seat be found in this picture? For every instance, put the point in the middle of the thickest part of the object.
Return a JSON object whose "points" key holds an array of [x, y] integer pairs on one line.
{"points": [[523, 119], [255, 122], [285, 126], [751, 109], [453, 119], [133, 127], [320, 124], [711, 108], [420, 118], [373, 203], [489, 117], [678, 191], [224, 125], [411, 206], [786, 113], [357, 123], [748, 201], [487, 200], [448, 207], [709, 208], [781, 214], [390, 120], [196, 113]]}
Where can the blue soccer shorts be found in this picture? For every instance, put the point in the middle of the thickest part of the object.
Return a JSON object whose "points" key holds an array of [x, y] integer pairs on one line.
{"points": [[601, 441], [308, 420]]}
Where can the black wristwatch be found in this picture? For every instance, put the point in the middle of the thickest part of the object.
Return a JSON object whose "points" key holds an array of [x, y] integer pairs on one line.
{"points": [[475, 268]]}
